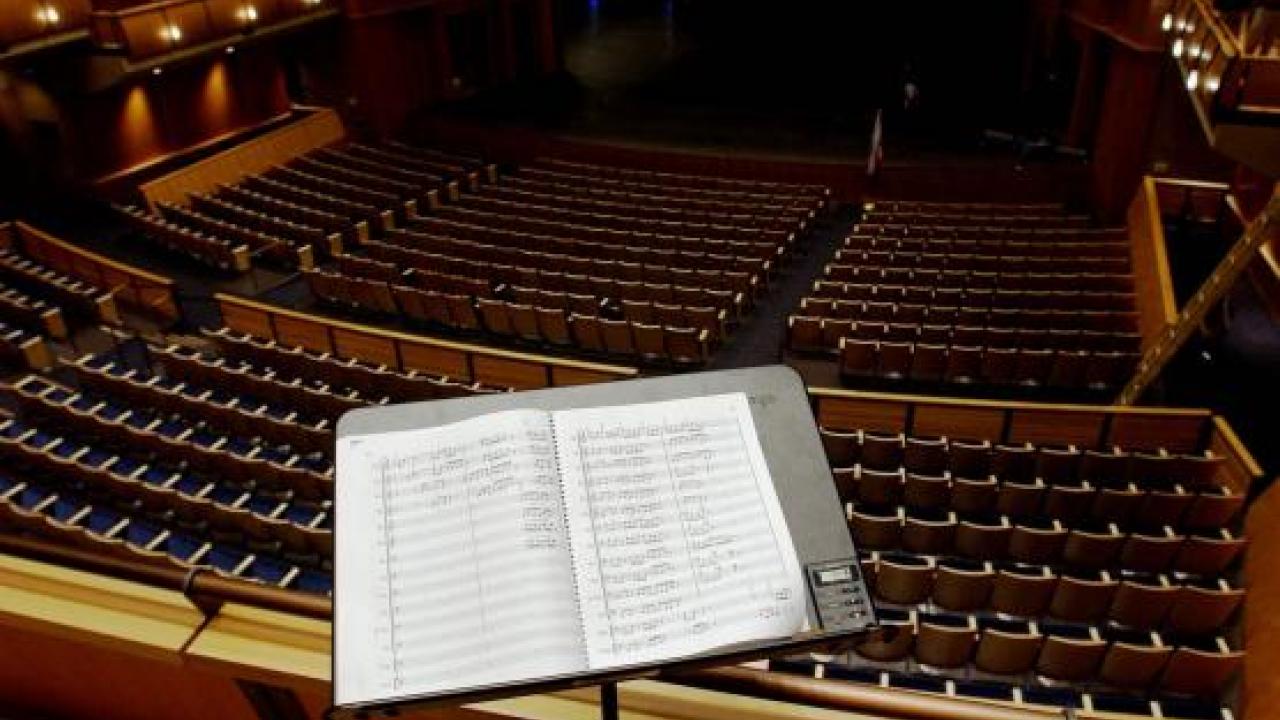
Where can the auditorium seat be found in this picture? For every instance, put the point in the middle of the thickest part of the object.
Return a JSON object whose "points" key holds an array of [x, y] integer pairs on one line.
{"points": [[1007, 647]]}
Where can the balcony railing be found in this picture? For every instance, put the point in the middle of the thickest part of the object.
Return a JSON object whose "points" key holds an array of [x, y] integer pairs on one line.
{"points": [[171, 26], [1228, 61], [26, 22]]}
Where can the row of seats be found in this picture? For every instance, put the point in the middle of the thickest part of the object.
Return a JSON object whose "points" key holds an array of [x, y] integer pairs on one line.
{"points": [[440, 299], [760, 191], [987, 245], [655, 344], [627, 206], [1139, 601], [469, 172], [445, 228], [909, 217], [178, 440], [479, 210], [954, 260], [217, 405], [255, 516], [1125, 504], [1022, 462], [356, 211], [823, 335], [273, 248], [20, 348], [213, 251], [398, 274], [1043, 540], [708, 272], [373, 185], [321, 243], [346, 190], [300, 365], [1023, 368], [947, 207], [299, 215], [788, 215], [1037, 695], [418, 179], [32, 314], [76, 298], [1056, 651], [1009, 278], [313, 399], [698, 294], [1006, 311], [977, 298], [618, 219], [99, 525], [991, 232]]}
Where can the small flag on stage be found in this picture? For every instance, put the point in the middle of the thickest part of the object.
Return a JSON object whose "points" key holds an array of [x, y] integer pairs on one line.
{"points": [[876, 156]]}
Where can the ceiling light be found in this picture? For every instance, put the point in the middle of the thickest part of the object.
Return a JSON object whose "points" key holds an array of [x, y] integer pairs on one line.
{"points": [[1193, 80], [1167, 23], [47, 14], [171, 32], [1177, 48]]}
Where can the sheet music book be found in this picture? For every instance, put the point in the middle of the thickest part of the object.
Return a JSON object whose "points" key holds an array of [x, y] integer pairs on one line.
{"points": [[527, 544]]}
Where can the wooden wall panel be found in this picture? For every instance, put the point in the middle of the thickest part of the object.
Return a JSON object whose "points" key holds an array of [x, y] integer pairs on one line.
{"points": [[863, 413], [321, 128], [435, 360], [303, 332], [1261, 689], [1173, 432], [1054, 427], [365, 346], [510, 372], [958, 422], [247, 319]]}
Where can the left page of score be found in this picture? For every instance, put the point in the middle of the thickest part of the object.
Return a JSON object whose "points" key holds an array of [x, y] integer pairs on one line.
{"points": [[452, 561]]}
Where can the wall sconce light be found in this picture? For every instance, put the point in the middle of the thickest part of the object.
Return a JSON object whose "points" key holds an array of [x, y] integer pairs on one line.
{"points": [[48, 15], [1193, 79], [172, 33], [1167, 23], [1177, 48], [1211, 83], [247, 14]]}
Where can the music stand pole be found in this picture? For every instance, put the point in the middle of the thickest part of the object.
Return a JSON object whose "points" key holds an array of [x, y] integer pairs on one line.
{"points": [[609, 701]]}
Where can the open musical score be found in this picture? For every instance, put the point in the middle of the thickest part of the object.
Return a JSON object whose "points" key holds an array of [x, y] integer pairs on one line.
{"points": [[529, 544]]}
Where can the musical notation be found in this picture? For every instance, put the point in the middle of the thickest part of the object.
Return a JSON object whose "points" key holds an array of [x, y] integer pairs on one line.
{"points": [[683, 551]]}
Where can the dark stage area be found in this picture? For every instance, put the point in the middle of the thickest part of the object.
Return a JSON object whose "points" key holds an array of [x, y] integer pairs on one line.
{"points": [[800, 79]]}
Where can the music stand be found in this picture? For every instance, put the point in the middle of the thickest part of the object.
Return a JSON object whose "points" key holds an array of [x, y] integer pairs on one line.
{"points": [[838, 605]]}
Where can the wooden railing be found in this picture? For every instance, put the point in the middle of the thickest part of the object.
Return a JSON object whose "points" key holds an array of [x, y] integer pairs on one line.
{"points": [[1152, 276], [30, 23], [403, 351], [147, 30], [141, 290], [322, 127]]}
